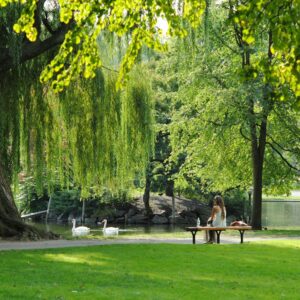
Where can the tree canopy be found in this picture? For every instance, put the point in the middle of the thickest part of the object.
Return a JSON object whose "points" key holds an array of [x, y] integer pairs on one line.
{"points": [[232, 124], [84, 21], [93, 131]]}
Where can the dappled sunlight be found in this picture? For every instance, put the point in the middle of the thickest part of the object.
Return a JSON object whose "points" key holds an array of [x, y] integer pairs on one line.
{"points": [[162, 271], [170, 276], [99, 260], [291, 244]]}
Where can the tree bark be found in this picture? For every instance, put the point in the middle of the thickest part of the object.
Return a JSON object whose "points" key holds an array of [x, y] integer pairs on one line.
{"points": [[146, 196], [170, 193], [257, 165], [31, 50], [11, 224], [259, 146], [170, 188]]}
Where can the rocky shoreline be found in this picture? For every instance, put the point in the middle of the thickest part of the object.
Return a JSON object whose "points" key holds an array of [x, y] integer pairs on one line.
{"points": [[186, 212]]}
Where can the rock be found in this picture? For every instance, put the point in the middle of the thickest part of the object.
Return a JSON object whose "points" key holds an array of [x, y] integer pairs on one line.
{"points": [[179, 220], [160, 219], [120, 220], [120, 213], [131, 212], [188, 214], [138, 219], [191, 221], [160, 212]]}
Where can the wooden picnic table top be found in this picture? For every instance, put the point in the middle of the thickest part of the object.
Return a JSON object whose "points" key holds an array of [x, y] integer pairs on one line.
{"points": [[199, 228]]}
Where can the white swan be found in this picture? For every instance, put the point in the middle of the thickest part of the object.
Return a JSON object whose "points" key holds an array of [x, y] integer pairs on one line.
{"points": [[109, 230], [79, 231]]}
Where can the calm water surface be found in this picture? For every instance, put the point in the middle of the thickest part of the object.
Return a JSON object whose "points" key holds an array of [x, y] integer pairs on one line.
{"points": [[281, 213], [124, 230]]}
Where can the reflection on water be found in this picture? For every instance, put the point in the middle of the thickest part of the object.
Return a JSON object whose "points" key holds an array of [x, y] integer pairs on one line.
{"points": [[65, 229], [281, 213]]}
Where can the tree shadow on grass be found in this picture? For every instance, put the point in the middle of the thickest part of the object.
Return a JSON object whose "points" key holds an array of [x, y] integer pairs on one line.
{"points": [[160, 271]]}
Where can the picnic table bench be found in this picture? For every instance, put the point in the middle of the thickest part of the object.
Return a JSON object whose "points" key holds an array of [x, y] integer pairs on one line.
{"points": [[218, 231]]}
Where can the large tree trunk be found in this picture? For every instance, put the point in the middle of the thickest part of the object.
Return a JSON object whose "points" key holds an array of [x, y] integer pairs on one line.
{"points": [[11, 224], [258, 143], [259, 147], [146, 196], [257, 165]]}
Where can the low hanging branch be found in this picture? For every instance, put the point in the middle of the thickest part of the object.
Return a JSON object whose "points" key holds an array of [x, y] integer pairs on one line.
{"points": [[33, 49], [282, 157], [295, 151]]}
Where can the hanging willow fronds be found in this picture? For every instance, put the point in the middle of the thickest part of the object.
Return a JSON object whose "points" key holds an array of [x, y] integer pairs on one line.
{"points": [[91, 135]]}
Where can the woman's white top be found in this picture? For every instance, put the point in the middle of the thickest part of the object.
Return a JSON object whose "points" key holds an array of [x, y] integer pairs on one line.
{"points": [[218, 221]]}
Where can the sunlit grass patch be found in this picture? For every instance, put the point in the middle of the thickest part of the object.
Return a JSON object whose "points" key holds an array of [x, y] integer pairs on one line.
{"points": [[260, 270]]}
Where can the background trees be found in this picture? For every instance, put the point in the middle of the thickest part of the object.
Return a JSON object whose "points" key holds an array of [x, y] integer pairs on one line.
{"points": [[228, 120]]}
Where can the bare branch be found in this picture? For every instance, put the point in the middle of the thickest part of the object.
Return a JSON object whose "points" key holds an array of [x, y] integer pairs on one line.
{"points": [[281, 147], [282, 157], [243, 135]]}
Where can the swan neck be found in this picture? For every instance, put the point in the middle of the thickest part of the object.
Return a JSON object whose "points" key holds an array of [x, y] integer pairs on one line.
{"points": [[105, 223]]}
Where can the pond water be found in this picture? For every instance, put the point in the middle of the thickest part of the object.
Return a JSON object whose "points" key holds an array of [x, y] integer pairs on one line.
{"points": [[274, 213], [280, 213], [65, 228]]}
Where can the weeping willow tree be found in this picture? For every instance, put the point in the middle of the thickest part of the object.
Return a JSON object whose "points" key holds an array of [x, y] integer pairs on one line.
{"points": [[91, 135], [92, 138]]}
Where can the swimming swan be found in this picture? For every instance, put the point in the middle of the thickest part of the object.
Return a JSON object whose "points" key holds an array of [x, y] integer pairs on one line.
{"points": [[79, 231], [109, 230]]}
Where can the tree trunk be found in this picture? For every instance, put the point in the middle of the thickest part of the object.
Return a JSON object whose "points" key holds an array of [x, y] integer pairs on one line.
{"points": [[170, 188], [11, 224], [257, 192], [258, 152], [146, 196], [170, 193]]}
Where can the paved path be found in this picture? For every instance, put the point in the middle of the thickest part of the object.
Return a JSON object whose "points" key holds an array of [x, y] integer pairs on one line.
{"points": [[21, 245]]}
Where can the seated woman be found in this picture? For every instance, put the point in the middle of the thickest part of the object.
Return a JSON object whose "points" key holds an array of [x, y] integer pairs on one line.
{"points": [[217, 217]]}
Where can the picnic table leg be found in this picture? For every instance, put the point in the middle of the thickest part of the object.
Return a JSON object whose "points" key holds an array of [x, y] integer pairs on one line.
{"points": [[194, 232], [218, 236], [242, 235]]}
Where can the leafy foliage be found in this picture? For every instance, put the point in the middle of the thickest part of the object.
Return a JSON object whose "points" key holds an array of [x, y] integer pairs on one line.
{"points": [[90, 136], [87, 19], [210, 112], [282, 19]]}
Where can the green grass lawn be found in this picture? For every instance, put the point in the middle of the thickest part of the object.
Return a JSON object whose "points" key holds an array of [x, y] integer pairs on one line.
{"points": [[268, 270]]}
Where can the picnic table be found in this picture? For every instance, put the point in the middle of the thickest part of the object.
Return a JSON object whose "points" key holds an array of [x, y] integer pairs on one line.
{"points": [[218, 231]]}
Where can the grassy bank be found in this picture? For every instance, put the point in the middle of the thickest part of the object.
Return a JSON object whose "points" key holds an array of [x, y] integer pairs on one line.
{"points": [[267, 270]]}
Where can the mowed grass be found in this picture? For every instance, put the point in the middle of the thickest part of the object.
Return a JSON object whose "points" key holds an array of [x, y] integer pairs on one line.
{"points": [[268, 270]]}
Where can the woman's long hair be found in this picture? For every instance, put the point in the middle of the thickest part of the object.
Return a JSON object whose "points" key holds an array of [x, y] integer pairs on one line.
{"points": [[219, 201]]}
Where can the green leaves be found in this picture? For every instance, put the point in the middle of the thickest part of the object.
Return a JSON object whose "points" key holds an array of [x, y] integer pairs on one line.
{"points": [[26, 21], [211, 120], [136, 19], [282, 19]]}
